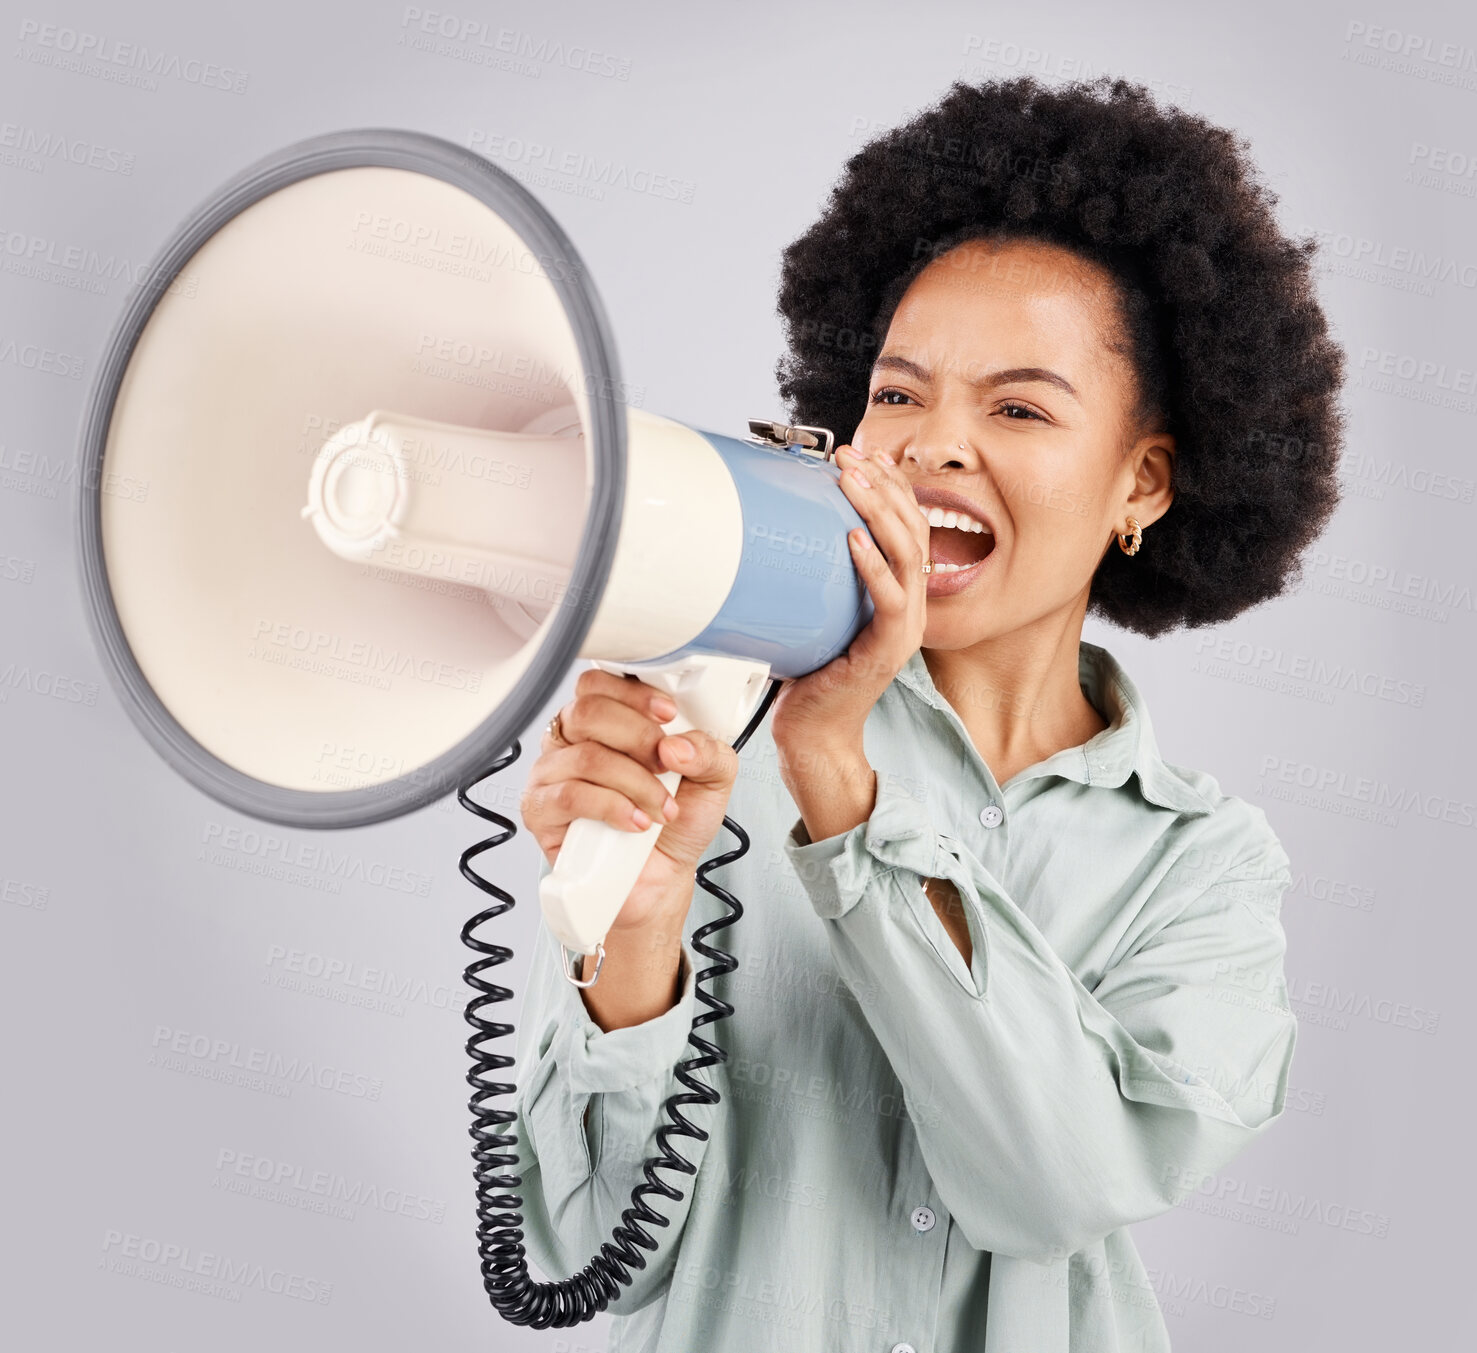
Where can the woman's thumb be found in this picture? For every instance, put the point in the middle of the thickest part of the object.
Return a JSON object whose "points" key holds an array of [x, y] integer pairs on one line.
{"points": [[699, 757]]}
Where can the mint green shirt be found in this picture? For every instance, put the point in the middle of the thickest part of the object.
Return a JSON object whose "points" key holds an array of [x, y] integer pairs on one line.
{"points": [[912, 1153]]}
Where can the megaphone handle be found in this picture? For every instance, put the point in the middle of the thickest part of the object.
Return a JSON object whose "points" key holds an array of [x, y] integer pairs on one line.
{"points": [[598, 864], [595, 851]]}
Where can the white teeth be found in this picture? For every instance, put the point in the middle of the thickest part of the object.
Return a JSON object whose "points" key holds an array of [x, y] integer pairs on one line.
{"points": [[959, 521]]}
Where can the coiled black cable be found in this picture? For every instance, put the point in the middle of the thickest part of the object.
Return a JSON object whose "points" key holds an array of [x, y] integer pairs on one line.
{"points": [[517, 1297]]}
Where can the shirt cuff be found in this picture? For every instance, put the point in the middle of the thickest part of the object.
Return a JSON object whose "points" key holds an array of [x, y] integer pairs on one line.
{"points": [[887, 857], [597, 1061], [837, 871]]}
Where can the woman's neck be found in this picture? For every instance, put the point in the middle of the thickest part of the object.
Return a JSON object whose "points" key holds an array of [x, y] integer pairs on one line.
{"points": [[1019, 695]]}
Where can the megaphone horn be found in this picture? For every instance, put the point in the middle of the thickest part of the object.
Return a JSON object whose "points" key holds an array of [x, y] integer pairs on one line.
{"points": [[394, 495]]}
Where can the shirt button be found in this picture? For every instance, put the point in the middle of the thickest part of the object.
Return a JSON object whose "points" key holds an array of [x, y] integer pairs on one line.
{"points": [[922, 1219], [991, 816], [903, 1348]]}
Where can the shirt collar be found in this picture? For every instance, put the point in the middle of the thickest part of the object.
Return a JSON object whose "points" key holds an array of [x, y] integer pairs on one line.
{"points": [[1125, 748]]}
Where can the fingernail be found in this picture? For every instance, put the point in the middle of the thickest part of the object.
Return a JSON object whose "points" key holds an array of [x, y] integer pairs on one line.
{"points": [[640, 819], [663, 708], [861, 539], [682, 749], [669, 808], [860, 478]]}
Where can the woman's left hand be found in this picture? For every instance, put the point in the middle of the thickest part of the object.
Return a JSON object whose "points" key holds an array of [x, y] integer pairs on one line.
{"points": [[828, 708]]}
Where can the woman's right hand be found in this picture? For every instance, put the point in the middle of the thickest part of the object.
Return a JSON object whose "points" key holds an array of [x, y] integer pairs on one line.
{"points": [[607, 769]]}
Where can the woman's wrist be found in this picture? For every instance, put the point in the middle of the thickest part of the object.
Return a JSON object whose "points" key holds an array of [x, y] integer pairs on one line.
{"points": [[832, 783], [638, 979]]}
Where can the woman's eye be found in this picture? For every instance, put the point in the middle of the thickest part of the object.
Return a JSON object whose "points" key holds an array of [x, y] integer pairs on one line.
{"points": [[881, 397], [1016, 411]]}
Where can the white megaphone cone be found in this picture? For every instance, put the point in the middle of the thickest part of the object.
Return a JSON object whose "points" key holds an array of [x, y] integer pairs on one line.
{"points": [[393, 494]]}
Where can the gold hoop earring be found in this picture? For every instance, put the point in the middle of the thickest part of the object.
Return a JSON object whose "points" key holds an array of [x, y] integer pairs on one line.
{"points": [[1138, 537]]}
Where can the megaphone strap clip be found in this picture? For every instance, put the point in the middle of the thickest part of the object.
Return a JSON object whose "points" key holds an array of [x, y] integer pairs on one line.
{"points": [[571, 970], [816, 441]]}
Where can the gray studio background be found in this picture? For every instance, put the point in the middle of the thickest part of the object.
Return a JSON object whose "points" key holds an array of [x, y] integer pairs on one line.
{"points": [[134, 904]]}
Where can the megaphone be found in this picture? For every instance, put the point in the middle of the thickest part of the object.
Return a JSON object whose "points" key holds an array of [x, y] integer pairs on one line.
{"points": [[396, 491]]}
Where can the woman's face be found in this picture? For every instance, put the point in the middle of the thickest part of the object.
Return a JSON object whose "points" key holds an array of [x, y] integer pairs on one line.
{"points": [[996, 385]]}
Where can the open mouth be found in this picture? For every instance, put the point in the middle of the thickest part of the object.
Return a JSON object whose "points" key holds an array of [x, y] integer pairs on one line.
{"points": [[953, 548]]}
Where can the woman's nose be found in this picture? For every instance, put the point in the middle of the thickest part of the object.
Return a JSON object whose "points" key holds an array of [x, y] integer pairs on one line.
{"points": [[939, 450]]}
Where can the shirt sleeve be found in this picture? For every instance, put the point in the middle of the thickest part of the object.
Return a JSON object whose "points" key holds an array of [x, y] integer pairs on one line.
{"points": [[1049, 1115], [578, 1174]]}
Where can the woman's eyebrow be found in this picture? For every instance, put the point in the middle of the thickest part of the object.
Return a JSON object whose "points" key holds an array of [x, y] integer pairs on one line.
{"points": [[891, 361]]}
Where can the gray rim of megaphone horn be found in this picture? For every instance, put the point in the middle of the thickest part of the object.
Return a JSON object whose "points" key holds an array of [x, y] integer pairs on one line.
{"points": [[424, 154]]}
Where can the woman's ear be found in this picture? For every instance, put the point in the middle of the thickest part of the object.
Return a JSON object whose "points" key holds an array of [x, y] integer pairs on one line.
{"points": [[1152, 458]]}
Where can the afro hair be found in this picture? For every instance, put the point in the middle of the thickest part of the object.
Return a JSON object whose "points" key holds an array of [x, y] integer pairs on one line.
{"points": [[1218, 308]]}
